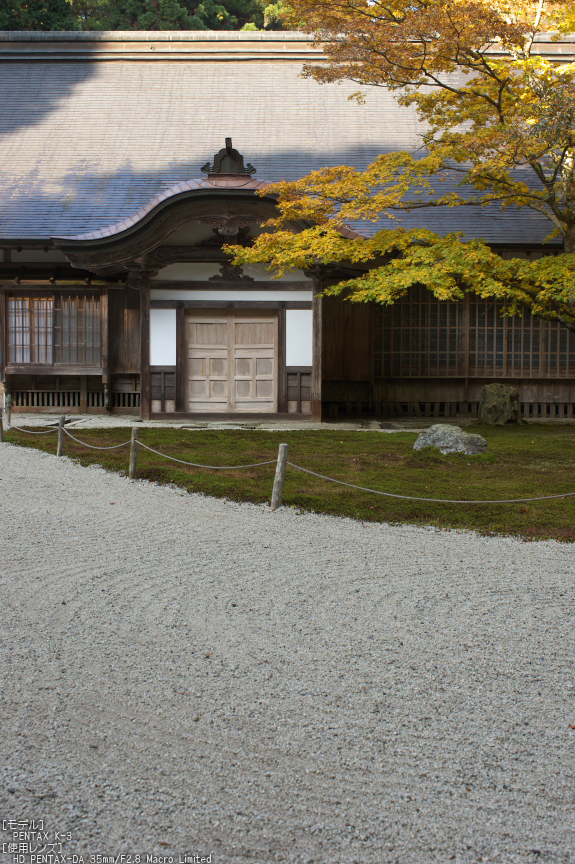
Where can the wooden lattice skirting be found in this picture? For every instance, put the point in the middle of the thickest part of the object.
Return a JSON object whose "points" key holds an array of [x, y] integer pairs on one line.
{"points": [[529, 410], [71, 401]]}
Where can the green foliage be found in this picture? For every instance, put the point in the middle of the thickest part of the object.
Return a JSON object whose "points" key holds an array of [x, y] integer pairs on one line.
{"points": [[140, 15], [274, 16], [175, 14], [37, 15], [229, 15], [497, 122]]}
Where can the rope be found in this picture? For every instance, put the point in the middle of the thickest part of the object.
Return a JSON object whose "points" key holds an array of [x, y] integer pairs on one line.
{"points": [[213, 467], [92, 446], [27, 431], [305, 471], [434, 500]]}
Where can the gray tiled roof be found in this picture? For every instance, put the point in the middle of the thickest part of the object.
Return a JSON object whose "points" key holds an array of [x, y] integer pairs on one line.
{"points": [[84, 145], [185, 186]]}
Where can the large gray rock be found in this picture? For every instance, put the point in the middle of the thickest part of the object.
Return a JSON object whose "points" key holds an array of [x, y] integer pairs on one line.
{"points": [[451, 439], [498, 405]]}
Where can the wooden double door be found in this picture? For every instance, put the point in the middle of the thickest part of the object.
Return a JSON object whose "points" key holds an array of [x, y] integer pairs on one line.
{"points": [[231, 361]]}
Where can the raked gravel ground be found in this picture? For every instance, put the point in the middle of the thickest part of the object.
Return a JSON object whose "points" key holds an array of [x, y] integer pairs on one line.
{"points": [[187, 676]]}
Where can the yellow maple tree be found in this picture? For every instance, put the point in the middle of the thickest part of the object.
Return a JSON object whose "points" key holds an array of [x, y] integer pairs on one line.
{"points": [[498, 114]]}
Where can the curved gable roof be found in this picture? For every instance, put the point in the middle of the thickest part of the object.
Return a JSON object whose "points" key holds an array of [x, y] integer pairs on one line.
{"points": [[166, 197], [96, 126]]}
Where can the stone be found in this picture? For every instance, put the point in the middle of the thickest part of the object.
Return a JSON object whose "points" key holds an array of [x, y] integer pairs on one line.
{"points": [[451, 439], [498, 405]]}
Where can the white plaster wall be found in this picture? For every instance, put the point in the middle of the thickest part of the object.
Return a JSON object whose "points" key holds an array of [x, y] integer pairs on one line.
{"points": [[163, 337], [299, 337], [176, 294]]}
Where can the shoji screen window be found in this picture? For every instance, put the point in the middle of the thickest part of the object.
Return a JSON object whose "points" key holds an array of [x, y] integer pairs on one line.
{"points": [[63, 330]]}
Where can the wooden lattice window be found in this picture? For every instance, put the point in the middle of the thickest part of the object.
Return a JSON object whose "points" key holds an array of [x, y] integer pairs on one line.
{"points": [[486, 338], [518, 346], [63, 329], [420, 336], [30, 329]]}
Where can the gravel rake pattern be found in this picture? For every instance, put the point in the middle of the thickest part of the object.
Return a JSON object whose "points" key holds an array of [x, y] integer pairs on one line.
{"points": [[184, 675]]}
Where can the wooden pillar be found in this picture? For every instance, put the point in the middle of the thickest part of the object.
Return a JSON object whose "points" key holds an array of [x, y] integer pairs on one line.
{"points": [[464, 308], [104, 344], [316, 373], [83, 394], [140, 280], [145, 381], [282, 375], [3, 341], [180, 388], [543, 347]]}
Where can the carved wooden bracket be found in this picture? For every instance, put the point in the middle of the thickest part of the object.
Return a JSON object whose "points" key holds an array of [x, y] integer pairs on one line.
{"points": [[229, 273], [139, 278], [219, 240], [228, 226]]}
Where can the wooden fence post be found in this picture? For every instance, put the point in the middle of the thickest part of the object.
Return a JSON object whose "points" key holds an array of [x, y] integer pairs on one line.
{"points": [[133, 453], [280, 476], [1, 430], [60, 447]]}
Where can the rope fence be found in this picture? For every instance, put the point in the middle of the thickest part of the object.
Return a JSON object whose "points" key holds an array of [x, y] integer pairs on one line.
{"points": [[28, 431], [281, 469], [430, 500], [211, 467], [93, 446]]}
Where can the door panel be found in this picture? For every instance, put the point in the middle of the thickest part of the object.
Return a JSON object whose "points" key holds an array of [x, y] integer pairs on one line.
{"points": [[255, 363], [207, 362], [231, 361]]}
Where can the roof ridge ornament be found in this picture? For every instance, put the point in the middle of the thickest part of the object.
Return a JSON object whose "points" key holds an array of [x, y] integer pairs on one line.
{"points": [[228, 161]]}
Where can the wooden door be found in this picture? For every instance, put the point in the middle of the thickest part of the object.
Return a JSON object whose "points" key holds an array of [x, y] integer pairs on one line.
{"points": [[231, 361], [207, 362]]}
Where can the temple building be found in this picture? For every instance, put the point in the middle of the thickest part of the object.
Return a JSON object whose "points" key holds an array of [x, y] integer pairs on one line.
{"points": [[130, 159]]}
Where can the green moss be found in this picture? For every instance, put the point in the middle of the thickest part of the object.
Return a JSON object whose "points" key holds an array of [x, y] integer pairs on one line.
{"points": [[521, 462]]}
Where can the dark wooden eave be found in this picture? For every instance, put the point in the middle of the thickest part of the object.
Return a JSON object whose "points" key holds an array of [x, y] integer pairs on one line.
{"points": [[132, 248], [60, 276]]}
